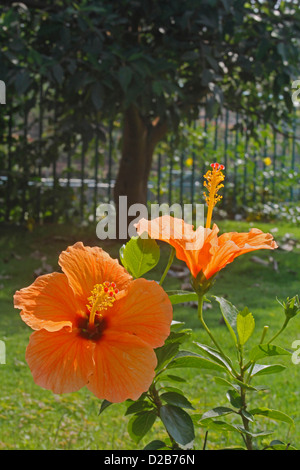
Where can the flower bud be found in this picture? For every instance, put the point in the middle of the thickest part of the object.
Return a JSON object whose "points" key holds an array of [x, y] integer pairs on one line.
{"points": [[291, 307]]}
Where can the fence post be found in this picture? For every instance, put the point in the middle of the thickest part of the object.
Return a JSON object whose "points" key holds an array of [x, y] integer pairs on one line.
{"points": [[225, 153], [110, 147], [293, 156], [38, 199], [96, 171], [9, 167], [235, 160]]}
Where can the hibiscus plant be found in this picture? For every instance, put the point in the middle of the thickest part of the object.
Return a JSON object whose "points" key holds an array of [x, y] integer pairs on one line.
{"points": [[100, 324]]}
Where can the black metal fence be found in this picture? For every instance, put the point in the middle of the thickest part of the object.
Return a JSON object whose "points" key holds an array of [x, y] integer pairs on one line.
{"points": [[44, 179]]}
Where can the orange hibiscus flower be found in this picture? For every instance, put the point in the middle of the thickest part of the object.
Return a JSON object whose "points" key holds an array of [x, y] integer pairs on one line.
{"points": [[204, 252], [95, 326]]}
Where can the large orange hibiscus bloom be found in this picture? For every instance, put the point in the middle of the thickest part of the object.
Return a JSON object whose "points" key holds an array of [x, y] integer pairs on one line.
{"points": [[204, 252], [95, 326]]}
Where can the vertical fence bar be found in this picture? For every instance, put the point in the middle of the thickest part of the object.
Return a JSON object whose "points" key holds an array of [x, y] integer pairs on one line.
{"points": [[193, 171], [274, 163], [55, 156], [216, 133], [245, 182], [264, 169], [96, 172], [158, 178], [293, 156], [181, 177], [9, 166], [254, 177], [38, 199], [225, 153], [170, 176], [110, 148], [235, 160], [82, 167], [245, 171], [24, 164], [69, 159]]}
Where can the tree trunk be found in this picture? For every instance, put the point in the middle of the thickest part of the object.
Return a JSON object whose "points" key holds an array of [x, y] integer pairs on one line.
{"points": [[139, 141]]}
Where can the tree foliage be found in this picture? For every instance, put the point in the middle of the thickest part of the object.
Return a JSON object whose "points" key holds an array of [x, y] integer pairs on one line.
{"points": [[151, 63]]}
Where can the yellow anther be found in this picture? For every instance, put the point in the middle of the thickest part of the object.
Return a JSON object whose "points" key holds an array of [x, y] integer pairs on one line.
{"points": [[103, 297], [213, 184]]}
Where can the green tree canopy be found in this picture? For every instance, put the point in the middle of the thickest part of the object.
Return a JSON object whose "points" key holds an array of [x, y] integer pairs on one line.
{"points": [[153, 63]]}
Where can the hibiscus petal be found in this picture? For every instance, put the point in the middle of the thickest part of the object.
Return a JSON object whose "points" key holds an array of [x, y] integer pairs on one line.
{"points": [[87, 266], [145, 311], [124, 367], [60, 361], [167, 229], [48, 303], [251, 241], [220, 257]]}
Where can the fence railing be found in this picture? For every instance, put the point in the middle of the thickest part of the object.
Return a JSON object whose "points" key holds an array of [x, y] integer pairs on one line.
{"points": [[44, 180]]}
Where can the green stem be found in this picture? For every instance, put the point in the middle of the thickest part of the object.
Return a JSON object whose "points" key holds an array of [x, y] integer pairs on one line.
{"points": [[200, 315], [280, 331], [247, 438], [265, 329], [170, 261]]}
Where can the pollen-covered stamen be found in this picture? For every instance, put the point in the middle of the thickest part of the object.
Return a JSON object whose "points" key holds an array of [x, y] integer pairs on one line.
{"points": [[103, 297], [213, 184]]}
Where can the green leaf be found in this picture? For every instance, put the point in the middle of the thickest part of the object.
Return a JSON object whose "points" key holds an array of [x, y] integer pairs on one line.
{"points": [[259, 369], [245, 325], [264, 350], [165, 353], [247, 415], [124, 76], [234, 398], [230, 313], [97, 95], [174, 378], [22, 81], [183, 296], [58, 72], [188, 359], [137, 407], [215, 355], [178, 424], [218, 411], [155, 445], [272, 414], [140, 424], [105, 404], [219, 426], [139, 255], [237, 385], [176, 399]]}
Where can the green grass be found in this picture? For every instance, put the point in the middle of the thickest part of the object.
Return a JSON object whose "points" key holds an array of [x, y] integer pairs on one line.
{"points": [[33, 418]]}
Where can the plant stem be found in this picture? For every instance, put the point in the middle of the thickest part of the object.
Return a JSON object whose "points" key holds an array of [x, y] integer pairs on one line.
{"points": [[280, 331], [200, 315], [205, 441], [246, 436], [170, 261]]}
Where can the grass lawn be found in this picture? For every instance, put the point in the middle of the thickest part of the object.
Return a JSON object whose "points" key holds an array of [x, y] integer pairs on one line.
{"points": [[33, 418]]}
